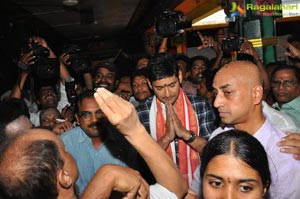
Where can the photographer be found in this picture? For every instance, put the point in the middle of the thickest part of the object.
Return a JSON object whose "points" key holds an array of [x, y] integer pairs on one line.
{"points": [[245, 47], [35, 61], [78, 65]]}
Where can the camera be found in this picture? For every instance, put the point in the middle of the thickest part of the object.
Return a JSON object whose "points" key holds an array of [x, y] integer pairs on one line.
{"points": [[232, 44], [38, 50], [43, 67], [79, 61], [170, 23], [71, 92]]}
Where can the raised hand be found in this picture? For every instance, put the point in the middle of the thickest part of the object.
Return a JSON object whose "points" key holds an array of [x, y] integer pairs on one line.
{"points": [[41, 41], [62, 127], [292, 51], [248, 48], [65, 59], [27, 58], [207, 41], [119, 112]]}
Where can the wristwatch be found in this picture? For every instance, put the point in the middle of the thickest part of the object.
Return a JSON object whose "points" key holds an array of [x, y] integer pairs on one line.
{"points": [[191, 139]]}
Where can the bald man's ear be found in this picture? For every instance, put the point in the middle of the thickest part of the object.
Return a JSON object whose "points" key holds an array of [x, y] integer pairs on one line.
{"points": [[64, 179], [257, 94]]}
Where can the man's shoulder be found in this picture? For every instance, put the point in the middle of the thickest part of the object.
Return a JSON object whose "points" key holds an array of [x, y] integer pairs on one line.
{"points": [[144, 106], [295, 103], [72, 134], [197, 100], [280, 119], [269, 136], [219, 130]]}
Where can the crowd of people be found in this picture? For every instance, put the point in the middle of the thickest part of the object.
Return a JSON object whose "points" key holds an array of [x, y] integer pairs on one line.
{"points": [[177, 127]]}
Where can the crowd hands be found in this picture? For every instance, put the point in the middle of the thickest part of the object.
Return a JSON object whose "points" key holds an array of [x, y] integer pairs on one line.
{"points": [[122, 101]]}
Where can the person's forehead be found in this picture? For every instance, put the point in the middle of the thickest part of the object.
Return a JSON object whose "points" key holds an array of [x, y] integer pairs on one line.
{"points": [[223, 77], [181, 61], [104, 70], [231, 161], [164, 81], [51, 111], [285, 72], [142, 60], [88, 103], [139, 78], [46, 89]]}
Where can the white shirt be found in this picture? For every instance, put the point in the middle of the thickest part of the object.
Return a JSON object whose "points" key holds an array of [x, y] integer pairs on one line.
{"points": [[157, 191], [279, 119]]}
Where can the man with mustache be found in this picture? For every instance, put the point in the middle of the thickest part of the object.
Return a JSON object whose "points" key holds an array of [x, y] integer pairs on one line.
{"points": [[105, 75], [285, 85], [198, 65], [140, 87], [95, 142]]}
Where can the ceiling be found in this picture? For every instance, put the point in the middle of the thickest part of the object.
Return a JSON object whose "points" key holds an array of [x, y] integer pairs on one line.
{"points": [[104, 21]]}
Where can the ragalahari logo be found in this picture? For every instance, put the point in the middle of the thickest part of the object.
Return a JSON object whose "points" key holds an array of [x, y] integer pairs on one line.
{"points": [[236, 10]]}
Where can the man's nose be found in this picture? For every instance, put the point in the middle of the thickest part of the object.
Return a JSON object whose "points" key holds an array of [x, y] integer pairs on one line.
{"points": [[167, 92], [281, 86], [217, 101], [94, 117]]}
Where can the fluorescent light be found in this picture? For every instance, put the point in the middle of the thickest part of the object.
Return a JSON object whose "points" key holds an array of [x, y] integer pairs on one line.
{"points": [[215, 18]]}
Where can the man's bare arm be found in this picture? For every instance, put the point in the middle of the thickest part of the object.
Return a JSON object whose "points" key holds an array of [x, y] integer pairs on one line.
{"points": [[123, 115]]}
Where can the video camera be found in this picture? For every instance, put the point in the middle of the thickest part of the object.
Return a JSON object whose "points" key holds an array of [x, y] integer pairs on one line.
{"points": [[231, 44], [170, 23], [43, 67], [79, 61]]}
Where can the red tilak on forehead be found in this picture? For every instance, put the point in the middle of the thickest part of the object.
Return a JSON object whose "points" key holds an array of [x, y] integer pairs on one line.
{"points": [[165, 85], [228, 179]]}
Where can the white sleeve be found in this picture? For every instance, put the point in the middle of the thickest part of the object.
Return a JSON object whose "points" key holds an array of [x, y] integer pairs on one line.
{"points": [[196, 182], [63, 101], [157, 191]]}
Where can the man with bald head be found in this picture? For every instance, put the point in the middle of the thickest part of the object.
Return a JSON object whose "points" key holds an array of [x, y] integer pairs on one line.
{"points": [[35, 164], [239, 91], [14, 118]]}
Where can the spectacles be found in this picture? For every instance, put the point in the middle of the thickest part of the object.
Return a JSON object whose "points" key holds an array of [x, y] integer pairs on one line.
{"points": [[285, 83], [86, 115]]}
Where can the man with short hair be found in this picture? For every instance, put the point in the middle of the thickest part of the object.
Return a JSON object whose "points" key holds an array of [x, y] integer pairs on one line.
{"points": [[180, 123], [95, 142], [239, 91], [140, 87], [183, 63], [105, 75], [142, 61], [198, 65], [286, 90]]}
